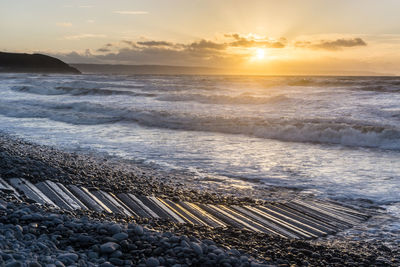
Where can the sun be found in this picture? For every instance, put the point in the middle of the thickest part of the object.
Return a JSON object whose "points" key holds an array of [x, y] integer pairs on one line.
{"points": [[260, 53]]}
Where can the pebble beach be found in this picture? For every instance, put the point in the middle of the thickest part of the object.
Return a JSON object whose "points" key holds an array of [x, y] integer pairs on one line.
{"points": [[40, 235]]}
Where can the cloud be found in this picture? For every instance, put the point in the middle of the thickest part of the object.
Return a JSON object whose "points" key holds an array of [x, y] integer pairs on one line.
{"points": [[232, 49], [90, 21], [204, 44], [85, 6], [127, 12], [106, 48], [103, 50], [241, 41], [334, 45], [155, 43], [84, 36], [199, 53], [64, 24]]}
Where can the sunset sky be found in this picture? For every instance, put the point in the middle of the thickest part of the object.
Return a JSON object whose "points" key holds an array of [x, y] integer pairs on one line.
{"points": [[271, 37]]}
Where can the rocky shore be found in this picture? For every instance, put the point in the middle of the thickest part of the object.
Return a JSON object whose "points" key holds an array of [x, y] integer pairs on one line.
{"points": [[33, 235], [38, 236]]}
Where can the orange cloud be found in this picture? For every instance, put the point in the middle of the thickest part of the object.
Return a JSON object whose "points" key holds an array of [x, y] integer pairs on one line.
{"points": [[337, 44]]}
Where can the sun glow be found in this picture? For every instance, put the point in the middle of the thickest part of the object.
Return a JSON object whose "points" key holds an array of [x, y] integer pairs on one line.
{"points": [[260, 54]]}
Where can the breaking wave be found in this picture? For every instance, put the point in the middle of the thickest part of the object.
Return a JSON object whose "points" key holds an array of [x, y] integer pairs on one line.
{"points": [[223, 99], [326, 131], [378, 84], [65, 90]]}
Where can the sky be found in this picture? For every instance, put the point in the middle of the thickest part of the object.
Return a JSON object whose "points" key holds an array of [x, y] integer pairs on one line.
{"points": [[254, 36]]}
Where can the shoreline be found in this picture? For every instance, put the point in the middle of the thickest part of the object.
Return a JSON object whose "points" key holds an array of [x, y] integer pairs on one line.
{"points": [[19, 158]]}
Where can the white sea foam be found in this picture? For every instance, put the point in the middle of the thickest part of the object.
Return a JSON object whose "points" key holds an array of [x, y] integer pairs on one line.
{"points": [[67, 90], [339, 131]]}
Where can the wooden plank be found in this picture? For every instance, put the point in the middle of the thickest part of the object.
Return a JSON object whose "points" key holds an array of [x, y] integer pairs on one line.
{"points": [[72, 203], [133, 206], [37, 191], [49, 192], [107, 202], [235, 217], [298, 231], [98, 201], [333, 214], [342, 209], [143, 206], [330, 211], [220, 216], [207, 218], [112, 198], [184, 213], [243, 216], [272, 228], [318, 216], [329, 229], [26, 190], [292, 221], [72, 196], [155, 208], [173, 215], [87, 200], [8, 188]]}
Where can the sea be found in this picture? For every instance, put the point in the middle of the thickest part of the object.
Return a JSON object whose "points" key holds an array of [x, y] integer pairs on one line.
{"points": [[328, 137]]}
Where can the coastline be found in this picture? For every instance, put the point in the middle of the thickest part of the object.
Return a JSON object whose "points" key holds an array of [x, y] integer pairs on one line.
{"points": [[37, 163]]}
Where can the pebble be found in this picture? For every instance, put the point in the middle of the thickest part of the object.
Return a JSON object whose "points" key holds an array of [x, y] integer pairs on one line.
{"points": [[152, 262], [109, 247], [115, 229], [68, 258], [120, 236], [197, 249], [138, 230], [14, 264]]}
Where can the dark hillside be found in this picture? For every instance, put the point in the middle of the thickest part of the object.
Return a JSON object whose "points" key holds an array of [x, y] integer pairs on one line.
{"points": [[38, 63]]}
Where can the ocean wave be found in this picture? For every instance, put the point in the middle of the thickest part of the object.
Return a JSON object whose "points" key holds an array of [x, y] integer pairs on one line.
{"points": [[76, 91], [242, 99], [325, 131], [385, 88], [378, 84]]}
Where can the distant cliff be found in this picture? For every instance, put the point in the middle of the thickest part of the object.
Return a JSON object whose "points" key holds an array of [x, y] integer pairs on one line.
{"points": [[38, 63]]}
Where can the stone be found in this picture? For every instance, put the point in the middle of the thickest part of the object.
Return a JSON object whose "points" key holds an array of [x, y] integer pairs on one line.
{"points": [[138, 230], [197, 248], [14, 264], [68, 258], [116, 261], [115, 229], [60, 264], [109, 247], [120, 236], [92, 255], [116, 254], [152, 262]]}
